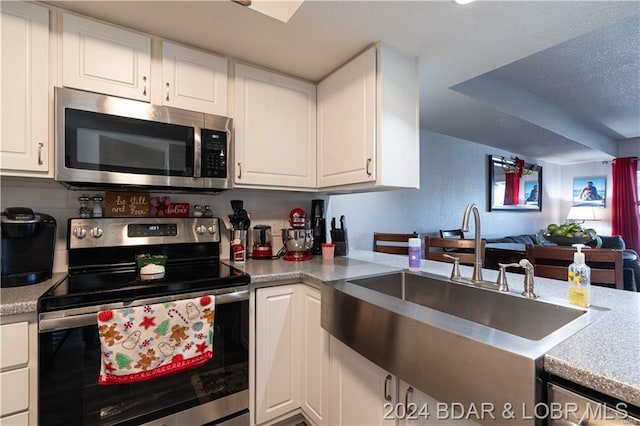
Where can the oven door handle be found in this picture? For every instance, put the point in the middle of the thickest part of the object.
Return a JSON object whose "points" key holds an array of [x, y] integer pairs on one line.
{"points": [[80, 320]]}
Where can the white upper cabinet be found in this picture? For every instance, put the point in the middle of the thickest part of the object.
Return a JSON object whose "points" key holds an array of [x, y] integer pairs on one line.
{"points": [[368, 129], [347, 123], [194, 80], [275, 130], [25, 89], [105, 59]]}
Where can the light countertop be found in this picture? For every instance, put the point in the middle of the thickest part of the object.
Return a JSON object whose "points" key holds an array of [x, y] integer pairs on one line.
{"points": [[604, 356]]}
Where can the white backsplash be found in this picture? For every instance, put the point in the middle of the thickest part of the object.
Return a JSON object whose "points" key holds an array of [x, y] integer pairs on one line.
{"points": [[46, 196]]}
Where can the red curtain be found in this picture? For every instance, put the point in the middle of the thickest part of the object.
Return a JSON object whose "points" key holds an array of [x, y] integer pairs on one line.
{"points": [[512, 184], [624, 205]]}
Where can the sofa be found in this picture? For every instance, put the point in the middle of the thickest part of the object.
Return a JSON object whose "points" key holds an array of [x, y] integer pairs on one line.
{"points": [[630, 259]]}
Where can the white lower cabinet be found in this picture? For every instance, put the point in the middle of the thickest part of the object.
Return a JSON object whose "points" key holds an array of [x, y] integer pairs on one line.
{"points": [[291, 363], [278, 352], [360, 391], [18, 377], [419, 409], [315, 358]]}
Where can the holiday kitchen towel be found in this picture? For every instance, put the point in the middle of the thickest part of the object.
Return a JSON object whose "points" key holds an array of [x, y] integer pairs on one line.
{"points": [[150, 341]]}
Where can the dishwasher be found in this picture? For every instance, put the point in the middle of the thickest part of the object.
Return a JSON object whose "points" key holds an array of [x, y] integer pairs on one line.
{"points": [[573, 405]]}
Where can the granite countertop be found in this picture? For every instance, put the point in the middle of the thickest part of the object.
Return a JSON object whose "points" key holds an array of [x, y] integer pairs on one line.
{"points": [[24, 299], [604, 356]]}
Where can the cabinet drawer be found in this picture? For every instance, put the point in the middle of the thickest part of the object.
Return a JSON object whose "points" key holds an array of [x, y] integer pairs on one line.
{"points": [[14, 345], [20, 419], [15, 391]]}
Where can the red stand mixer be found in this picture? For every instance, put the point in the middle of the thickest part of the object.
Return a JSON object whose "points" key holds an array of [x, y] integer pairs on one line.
{"points": [[297, 240]]}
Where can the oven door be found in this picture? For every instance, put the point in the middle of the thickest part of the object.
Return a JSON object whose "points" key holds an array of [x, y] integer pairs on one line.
{"points": [[69, 364]]}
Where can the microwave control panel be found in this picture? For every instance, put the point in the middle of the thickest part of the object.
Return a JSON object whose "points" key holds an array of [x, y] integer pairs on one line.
{"points": [[214, 153]]}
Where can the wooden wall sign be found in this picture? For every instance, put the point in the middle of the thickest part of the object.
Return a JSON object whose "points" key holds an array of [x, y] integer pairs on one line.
{"points": [[129, 204]]}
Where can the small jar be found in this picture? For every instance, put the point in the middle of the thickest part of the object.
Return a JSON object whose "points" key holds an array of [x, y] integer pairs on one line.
{"points": [[97, 206], [207, 212], [197, 211], [84, 211]]}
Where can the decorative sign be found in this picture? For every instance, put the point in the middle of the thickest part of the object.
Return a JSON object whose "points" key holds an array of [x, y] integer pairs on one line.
{"points": [[129, 204], [163, 207], [177, 210]]}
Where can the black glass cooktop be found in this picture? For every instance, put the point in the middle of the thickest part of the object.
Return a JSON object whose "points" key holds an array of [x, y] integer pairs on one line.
{"points": [[102, 287]]}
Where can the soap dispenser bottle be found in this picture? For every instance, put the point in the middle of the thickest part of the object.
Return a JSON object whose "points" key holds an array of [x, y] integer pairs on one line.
{"points": [[579, 279]]}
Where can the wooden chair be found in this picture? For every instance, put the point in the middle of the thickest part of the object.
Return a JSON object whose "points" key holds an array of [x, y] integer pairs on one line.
{"points": [[553, 262], [392, 243], [452, 233], [463, 249]]}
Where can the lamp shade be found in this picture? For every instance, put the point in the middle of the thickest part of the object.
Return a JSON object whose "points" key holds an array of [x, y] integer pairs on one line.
{"points": [[581, 213]]}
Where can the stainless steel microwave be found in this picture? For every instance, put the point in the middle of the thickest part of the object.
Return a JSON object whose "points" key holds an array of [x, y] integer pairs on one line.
{"points": [[105, 142]]}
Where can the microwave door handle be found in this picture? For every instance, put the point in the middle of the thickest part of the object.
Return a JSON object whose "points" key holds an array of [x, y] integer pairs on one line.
{"points": [[197, 153]]}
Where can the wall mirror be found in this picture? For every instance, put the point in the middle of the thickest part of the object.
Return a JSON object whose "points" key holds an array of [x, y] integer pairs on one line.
{"points": [[514, 185]]}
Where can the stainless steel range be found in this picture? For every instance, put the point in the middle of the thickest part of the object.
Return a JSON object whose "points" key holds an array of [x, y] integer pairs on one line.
{"points": [[103, 274]]}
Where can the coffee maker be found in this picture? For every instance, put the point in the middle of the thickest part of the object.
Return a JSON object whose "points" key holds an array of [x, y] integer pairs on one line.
{"points": [[28, 245], [318, 225]]}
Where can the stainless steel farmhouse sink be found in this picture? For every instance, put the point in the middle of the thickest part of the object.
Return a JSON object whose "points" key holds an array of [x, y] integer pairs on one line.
{"points": [[527, 318], [457, 343]]}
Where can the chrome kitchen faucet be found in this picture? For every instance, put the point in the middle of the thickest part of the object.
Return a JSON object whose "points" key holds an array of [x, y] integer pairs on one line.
{"points": [[477, 263]]}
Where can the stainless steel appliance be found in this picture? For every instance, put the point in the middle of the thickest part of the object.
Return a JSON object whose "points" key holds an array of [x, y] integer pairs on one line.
{"points": [[262, 245], [28, 245], [570, 404], [297, 240], [104, 141], [103, 275]]}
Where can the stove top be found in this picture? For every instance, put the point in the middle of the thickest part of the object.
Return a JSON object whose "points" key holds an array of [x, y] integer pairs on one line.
{"points": [[103, 270], [125, 285]]}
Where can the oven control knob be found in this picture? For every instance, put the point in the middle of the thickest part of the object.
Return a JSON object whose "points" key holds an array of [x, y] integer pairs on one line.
{"points": [[201, 229], [212, 229], [79, 233], [97, 232]]}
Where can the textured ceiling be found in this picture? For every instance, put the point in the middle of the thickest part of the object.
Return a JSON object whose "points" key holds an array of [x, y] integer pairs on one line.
{"points": [[554, 80]]}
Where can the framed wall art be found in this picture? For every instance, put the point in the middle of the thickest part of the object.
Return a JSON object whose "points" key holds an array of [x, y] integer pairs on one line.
{"points": [[590, 191]]}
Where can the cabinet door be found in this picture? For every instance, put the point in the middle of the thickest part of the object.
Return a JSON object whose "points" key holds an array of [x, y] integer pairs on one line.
{"points": [[419, 409], [278, 352], [15, 391], [315, 358], [14, 344], [105, 59], [359, 390], [275, 128], [25, 91], [347, 124], [194, 80]]}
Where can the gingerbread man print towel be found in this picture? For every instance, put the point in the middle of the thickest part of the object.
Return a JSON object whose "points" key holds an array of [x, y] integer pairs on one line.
{"points": [[150, 341]]}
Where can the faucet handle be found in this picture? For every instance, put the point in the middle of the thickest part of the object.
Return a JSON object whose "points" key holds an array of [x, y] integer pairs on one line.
{"points": [[455, 272], [502, 276], [528, 279]]}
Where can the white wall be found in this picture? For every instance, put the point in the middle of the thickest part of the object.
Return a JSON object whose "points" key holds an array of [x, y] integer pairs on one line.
{"points": [[46, 196], [453, 173], [629, 148]]}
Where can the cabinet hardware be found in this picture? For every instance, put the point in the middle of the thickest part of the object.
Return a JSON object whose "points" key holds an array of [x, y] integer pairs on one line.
{"points": [[144, 88], [40, 146], [387, 380], [368, 164], [167, 98], [239, 170], [406, 396]]}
